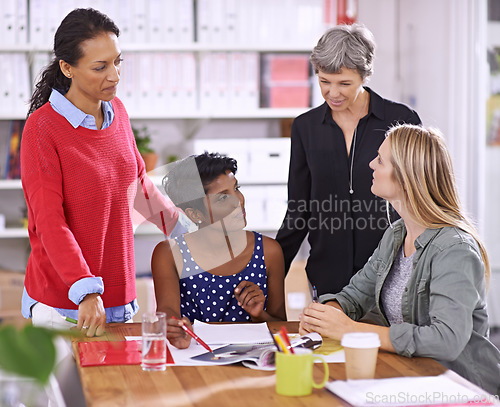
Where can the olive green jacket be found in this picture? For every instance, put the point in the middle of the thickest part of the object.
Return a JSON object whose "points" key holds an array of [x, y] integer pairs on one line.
{"points": [[443, 304]]}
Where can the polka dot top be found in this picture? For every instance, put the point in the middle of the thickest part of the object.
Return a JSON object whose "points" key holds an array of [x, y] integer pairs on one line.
{"points": [[210, 298]]}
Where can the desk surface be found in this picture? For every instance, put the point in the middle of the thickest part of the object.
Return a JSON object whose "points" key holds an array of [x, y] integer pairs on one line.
{"points": [[218, 386]]}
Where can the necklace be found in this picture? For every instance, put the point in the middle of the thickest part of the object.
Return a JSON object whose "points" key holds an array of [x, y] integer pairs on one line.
{"points": [[351, 190]]}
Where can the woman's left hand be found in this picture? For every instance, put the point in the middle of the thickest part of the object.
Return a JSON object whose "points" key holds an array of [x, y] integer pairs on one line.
{"points": [[250, 297], [325, 320]]}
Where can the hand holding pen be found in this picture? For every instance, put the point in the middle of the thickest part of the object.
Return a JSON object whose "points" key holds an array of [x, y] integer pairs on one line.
{"points": [[188, 329], [176, 335]]}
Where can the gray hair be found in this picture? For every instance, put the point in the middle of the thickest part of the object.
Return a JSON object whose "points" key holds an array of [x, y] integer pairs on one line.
{"points": [[349, 46]]}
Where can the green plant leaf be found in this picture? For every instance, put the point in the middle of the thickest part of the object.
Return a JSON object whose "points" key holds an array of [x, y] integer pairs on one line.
{"points": [[142, 139], [29, 352]]}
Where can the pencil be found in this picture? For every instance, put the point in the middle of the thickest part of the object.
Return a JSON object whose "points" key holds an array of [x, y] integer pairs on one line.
{"points": [[193, 335], [275, 343], [278, 339]]}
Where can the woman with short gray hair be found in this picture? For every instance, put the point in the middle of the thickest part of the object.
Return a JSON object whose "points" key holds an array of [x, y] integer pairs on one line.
{"points": [[345, 46], [329, 197]]}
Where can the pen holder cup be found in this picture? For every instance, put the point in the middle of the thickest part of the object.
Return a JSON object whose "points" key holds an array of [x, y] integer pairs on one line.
{"points": [[294, 373]]}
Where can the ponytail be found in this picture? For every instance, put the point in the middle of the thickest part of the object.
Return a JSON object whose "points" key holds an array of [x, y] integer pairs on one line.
{"points": [[51, 78]]}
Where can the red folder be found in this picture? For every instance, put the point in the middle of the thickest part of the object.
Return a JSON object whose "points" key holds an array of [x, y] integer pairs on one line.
{"points": [[101, 353]]}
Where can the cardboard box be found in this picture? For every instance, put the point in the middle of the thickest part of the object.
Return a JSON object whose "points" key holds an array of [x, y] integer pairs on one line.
{"points": [[11, 292]]}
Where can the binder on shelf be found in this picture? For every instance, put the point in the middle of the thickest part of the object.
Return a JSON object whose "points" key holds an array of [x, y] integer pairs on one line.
{"points": [[206, 86], [143, 82], [13, 169], [7, 84], [244, 80], [139, 20], [125, 22], [184, 15], [169, 22], [21, 91], [216, 30], [174, 85], [157, 20], [248, 22], [8, 22], [21, 25], [54, 13], [37, 22], [231, 21], [203, 18], [220, 73], [189, 82], [159, 92]]}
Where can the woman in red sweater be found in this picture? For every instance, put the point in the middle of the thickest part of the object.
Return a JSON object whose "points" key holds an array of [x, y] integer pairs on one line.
{"points": [[80, 171]]}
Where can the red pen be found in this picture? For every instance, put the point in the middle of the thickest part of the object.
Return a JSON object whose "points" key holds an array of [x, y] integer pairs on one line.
{"points": [[286, 339], [193, 335]]}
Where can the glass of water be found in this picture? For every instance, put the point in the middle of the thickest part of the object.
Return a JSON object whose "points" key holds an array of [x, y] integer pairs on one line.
{"points": [[154, 341]]}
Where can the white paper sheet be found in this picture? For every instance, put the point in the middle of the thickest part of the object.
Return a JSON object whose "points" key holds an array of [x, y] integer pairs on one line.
{"points": [[409, 391], [214, 334]]}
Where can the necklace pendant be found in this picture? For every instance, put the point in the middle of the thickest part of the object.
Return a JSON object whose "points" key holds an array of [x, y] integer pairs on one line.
{"points": [[351, 191]]}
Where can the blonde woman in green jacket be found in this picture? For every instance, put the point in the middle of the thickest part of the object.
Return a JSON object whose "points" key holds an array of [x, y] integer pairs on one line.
{"points": [[429, 273]]}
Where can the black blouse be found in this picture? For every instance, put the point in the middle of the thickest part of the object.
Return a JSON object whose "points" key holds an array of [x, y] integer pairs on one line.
{"points": [[344, 229]]}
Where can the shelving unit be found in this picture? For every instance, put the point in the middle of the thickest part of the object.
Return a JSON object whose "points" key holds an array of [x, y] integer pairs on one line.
{"points": [[253, 30]]}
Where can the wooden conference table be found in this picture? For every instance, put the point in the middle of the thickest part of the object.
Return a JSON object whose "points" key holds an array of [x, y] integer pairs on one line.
{"points": [[218, 386]]}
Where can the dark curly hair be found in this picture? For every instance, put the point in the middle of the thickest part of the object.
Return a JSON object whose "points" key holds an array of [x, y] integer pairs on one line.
{"points": [[187, 180]]}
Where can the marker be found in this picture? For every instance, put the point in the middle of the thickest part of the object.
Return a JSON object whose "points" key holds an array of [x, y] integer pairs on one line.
{"points": [[315, 294], [72, 320], [193, 335]]}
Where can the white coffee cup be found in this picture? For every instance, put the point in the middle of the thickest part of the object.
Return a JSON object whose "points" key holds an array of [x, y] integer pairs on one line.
{"points": [[361, 350]]}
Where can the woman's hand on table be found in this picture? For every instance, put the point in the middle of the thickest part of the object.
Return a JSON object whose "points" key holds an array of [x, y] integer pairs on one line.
{"points": [[325, 320], [91, 315], [177, 336]]}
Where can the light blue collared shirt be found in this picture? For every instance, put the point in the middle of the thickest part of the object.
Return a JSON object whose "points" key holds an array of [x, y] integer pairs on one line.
{"points": [[88, 285]]}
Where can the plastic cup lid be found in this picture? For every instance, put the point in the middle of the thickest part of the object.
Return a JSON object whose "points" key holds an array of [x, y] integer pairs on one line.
{"points": [[362, 340]]}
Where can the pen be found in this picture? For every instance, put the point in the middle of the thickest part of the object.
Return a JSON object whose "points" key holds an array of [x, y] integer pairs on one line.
{"points": [[315, 294], [275, 343], [193, 335], [286, 339]]}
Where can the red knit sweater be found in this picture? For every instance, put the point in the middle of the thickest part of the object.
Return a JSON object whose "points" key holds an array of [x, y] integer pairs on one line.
{"points": [[79, 186]]}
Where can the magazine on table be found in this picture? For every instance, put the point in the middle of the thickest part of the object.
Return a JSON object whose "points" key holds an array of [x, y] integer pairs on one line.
{"points": [[256, 356]]}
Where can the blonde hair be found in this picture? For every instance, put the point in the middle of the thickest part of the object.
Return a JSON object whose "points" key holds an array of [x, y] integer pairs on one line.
{"points": [[423, 169]]}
